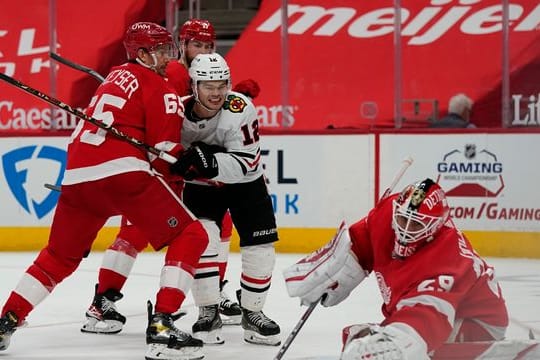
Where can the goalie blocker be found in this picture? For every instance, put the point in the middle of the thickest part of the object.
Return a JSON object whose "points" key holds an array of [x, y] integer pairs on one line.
{"points": [[330, 273]]}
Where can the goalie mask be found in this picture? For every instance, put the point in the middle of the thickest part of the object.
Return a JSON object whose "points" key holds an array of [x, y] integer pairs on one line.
{"points": [[418, 213], [151, 37]]}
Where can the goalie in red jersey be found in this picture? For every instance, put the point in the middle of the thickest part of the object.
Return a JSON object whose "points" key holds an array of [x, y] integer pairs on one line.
{"points": [[436, 289]]}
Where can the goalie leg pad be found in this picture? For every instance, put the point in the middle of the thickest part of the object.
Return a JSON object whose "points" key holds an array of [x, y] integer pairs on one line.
{"points": [[331, 272]]}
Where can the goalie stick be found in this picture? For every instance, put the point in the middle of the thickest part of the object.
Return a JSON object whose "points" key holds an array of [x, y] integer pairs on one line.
{"points": [[76, 66], [406, 163], [114, 131], [295, 330]]}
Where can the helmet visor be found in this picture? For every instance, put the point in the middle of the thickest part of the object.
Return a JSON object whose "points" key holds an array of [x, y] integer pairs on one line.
{"points": [[166, 50]]}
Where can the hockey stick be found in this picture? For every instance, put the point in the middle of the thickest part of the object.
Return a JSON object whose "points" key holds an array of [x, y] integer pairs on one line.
{"points": [[114, 131], [295, 330], [76, 66], [52, 187], [406, 163]]}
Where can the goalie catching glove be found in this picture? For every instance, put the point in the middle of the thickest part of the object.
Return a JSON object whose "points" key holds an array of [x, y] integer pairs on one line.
{"points": [[330, 273], [396, 341], [198, 161]]}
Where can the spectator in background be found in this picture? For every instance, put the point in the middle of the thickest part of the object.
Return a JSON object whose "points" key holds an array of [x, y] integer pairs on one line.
{"points": [[459, 113]]}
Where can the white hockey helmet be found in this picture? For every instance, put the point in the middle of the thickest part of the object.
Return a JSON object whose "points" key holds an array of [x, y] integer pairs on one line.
{"points": [[209, 67]]}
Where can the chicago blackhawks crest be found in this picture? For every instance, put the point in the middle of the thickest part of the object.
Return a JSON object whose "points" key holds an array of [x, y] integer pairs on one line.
{"points": [[234, 103]]}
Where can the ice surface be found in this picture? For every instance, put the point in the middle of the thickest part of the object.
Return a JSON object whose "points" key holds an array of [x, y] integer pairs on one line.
{"points": [[53, 327]]}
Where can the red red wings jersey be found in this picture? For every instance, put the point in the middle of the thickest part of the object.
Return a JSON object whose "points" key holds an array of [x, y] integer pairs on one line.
{"points": [[139, 103], [443, 281], [178, 77]]}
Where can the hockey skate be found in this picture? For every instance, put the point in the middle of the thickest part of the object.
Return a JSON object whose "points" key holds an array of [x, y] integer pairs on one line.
{"points": [[101, 316], [230, 311], [259, 328], [180, 313], [166, 342], [8, 325], [208, 325]]}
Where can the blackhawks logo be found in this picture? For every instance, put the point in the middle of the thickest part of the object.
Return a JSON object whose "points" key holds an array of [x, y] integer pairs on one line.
{"points": [[235, 104]]}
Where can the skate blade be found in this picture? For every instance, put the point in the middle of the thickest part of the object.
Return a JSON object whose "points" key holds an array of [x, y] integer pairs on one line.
{"points": [[162, 352], [231, 320], [253, 337], [4, 342], [94, 326], [210, 337]]}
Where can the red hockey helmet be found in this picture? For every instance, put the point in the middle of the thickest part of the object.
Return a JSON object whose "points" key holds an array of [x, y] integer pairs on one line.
{"points": [[148, 36], [419, 212], [197, 29]]}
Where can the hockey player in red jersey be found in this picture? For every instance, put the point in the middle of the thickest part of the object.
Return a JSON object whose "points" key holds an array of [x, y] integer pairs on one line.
{"points": [[196, 36], [435, 287], [106, 176], [222, 168]]}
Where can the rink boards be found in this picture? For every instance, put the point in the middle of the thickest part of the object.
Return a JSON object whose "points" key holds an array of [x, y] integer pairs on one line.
{"points": [[317, 180]]}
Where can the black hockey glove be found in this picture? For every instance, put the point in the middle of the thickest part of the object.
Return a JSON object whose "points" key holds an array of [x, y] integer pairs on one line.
{"points": [[209, 149], [196, 162]]}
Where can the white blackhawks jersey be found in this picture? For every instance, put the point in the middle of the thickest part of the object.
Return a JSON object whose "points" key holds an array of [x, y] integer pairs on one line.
{"points": [[234, 128]]}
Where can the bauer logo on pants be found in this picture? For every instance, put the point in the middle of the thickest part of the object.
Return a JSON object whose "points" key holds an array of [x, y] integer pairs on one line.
{"points": [[27, 169]]}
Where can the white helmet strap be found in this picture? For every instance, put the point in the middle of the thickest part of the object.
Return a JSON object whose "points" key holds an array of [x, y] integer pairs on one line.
{"points": [[151, 67]]}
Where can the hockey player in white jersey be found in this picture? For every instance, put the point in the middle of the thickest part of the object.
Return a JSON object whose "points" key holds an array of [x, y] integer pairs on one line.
{"points": [[222, 168]]}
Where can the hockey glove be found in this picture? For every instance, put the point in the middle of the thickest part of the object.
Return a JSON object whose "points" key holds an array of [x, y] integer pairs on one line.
{"points": [[209, 149], [394, 341], [330, 273], [196, 162], [248, 87]]}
